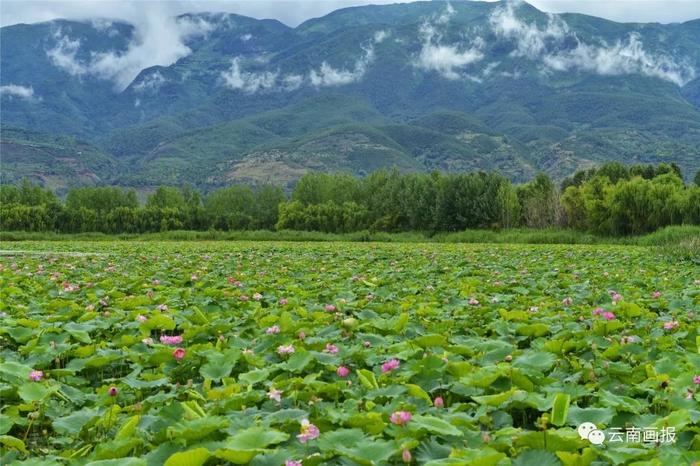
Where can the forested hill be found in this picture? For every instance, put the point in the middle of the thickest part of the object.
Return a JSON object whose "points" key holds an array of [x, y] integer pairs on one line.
{"points": [[418, 86]]}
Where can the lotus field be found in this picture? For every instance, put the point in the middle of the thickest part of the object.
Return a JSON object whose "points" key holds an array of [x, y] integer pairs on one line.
{"points": [[186, 354]]}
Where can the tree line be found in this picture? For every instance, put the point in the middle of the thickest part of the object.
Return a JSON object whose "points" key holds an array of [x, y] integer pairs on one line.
{"points": [[612, 199]]}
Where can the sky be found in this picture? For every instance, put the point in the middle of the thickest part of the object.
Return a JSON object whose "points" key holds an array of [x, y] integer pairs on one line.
{"points": [[293, 12]]}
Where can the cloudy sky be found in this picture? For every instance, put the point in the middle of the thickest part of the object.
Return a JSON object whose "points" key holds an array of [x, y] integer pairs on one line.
{"points": [[293, 12]]}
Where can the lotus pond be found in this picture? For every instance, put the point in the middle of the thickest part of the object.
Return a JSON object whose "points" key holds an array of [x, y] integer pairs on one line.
{"points": [[187, 354]]}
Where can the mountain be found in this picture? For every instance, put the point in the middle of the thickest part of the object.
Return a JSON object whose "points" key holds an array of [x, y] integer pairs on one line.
{"points": [[218, 98]]}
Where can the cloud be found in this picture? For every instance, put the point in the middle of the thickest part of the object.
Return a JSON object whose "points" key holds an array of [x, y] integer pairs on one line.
{"points": [[446, 14], [326, 75], [381, 35], [15, 91], [530, 40], [248, 82], [292, 82], [63, 54], [546, 45], [150, 83], [105, 26], [448, 60], [623, 57], [158, 40]]}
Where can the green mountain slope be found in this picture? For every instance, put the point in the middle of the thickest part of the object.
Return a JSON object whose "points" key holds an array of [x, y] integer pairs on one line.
{"points": [[417, 86]]}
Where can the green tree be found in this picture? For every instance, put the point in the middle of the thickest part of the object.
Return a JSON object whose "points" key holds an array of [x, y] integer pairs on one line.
{"points": [[167, 197], [231, 208], [267, 201]]}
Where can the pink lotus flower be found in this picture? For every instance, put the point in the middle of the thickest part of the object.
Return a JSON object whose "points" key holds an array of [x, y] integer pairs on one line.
{"points": [[616, 297], [331, 348], [567, 301], [147, 341], [308, 431], [366, 344], [671, 325], [292, 463], [275, 394], [390, 365], [113, 391], [141, 318], [400, 418], [273, 330], [438, 402], [285, 349], [696, 380], [179, 354], [473, 302], [36, 376], [301, 335], [162, 307], [257, 296], [406, 456], [342, 371], [155, 282], [282, 301], [656, 294], [171, 340], [598, 311], [609, 316], [243, 297], [329, 308], [194, 277]]}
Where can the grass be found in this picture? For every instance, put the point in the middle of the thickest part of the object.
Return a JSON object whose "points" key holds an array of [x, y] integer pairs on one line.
{"points": [[683, 239]]}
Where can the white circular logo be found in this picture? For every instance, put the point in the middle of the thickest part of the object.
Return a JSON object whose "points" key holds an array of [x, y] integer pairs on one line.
{"points": [[596, 437], [589, 431], [585, 429]]}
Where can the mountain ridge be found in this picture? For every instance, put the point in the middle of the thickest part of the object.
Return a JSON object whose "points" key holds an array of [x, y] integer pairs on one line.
{"points": [[556, 92]]}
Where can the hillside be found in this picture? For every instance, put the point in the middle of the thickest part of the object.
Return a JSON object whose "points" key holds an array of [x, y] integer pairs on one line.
{"points": [[418, 86]]}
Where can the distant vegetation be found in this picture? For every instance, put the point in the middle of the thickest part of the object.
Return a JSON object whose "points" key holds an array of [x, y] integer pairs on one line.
{"points": [[612, 200]]}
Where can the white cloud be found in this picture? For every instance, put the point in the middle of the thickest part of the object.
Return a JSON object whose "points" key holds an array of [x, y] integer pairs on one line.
{"points": [[158, 40], [63, 55], [448, 60], [150, 83], [105, 26], [380, 36], [292, 82], [624, 57], [326, 75], [530, 40], [547, 46], [20, 92], [248, 82], [446, 14]]}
